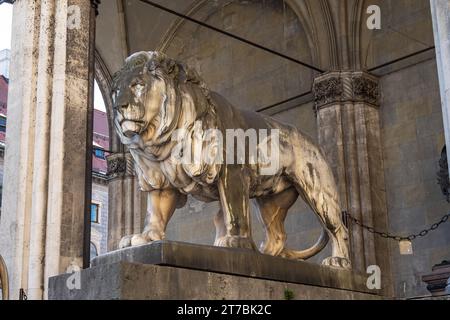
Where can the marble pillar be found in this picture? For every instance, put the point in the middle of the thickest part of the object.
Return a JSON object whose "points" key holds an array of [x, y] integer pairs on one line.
{"points": [[43, 215], [440, 10], [347, 106]]}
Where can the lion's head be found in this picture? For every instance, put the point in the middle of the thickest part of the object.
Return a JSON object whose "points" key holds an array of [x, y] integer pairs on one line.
{"points": [[148, 95]]}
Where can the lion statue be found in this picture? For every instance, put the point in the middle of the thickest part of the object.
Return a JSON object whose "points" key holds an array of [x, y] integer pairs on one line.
{"points": [[156, 98]]}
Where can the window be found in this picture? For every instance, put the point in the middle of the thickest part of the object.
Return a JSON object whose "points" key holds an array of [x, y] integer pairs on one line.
{"points": [[2, 124], [95, 212], [99, 153]]}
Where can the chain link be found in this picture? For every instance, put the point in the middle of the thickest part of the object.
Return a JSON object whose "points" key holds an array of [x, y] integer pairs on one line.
{"points": [[387, 235]]}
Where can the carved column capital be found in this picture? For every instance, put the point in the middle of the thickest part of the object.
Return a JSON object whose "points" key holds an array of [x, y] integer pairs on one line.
{"points": [[120, 165], [345, 86]]}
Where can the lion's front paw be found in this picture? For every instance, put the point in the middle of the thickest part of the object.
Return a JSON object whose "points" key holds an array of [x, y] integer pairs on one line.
{"points": [[235, 242], [125, 242], [337, 262], [139, 239]]}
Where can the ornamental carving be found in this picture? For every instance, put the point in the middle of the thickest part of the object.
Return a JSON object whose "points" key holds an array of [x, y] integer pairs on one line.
{"points": [[120, 165], [328, 91], [345, 86], [365, 89]]}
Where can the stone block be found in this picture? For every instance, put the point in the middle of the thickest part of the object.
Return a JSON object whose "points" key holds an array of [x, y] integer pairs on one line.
{"points": [[171, 270]]}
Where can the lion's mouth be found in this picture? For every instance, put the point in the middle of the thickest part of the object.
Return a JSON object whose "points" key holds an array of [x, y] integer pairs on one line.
{"points": [[130, 120], [131, 127]]}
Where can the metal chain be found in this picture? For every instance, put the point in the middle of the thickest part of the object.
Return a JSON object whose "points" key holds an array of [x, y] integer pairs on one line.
{"points": [[387, 235]]}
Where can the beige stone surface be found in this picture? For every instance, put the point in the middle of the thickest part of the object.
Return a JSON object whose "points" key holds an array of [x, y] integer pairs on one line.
{"points": [[128, 281], [42, 218], [413, 138]]}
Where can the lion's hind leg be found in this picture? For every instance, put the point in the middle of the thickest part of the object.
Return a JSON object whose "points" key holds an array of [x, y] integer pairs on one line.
{"points": [[272, 211], [315, 183]]}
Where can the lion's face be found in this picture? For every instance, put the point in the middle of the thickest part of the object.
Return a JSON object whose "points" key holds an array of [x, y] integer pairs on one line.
{"points": [[137, 99]]}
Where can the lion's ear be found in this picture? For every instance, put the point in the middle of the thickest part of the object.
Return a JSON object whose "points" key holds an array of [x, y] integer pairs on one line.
{"points": [[192, 76], [150, 67], [171, 66]]}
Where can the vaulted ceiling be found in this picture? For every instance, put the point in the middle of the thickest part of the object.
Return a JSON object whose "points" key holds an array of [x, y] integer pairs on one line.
{"points": [[328, 34], [337, 34]]}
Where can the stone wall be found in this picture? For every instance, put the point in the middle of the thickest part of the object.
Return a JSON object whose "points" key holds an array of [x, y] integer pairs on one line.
{"points": [[250, 78], [413, 138]]}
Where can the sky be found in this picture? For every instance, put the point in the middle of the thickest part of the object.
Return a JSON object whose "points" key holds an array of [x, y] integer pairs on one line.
{"points": [[5, 43], [5, 26]]}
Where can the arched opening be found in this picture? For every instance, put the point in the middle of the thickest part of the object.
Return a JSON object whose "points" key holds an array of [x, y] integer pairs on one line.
{"points": [[101, 147]]}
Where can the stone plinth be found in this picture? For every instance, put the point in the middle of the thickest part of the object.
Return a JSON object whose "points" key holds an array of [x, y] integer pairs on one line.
{"points": [[171, 270], [437, 280]]}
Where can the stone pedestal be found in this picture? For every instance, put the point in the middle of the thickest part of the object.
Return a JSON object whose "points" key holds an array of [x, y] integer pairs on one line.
{"points": [[437, 281], [171, 270]]}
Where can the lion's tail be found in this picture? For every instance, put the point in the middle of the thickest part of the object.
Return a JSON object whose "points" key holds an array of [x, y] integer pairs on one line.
{"points": [[308, 253]]}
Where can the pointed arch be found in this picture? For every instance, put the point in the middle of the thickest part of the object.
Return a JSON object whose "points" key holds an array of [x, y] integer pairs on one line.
{"points": [[104, 81]]}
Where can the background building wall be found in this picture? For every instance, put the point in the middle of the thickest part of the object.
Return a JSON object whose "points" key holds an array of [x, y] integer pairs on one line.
{"points": [[413, 138], [99, 231]]}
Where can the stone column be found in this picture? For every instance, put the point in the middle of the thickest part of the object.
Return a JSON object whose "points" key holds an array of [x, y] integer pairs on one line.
{"points": [[440, 10], [347, 106], [42, 222], [126, 201]]}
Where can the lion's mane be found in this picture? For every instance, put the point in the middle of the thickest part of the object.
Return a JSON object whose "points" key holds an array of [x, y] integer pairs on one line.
{"points": [[188, 101]]}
